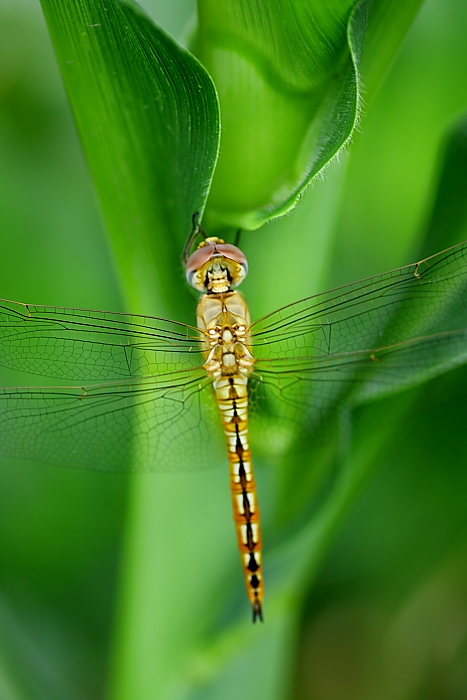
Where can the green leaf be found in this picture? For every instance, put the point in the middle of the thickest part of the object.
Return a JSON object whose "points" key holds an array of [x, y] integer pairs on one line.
{"points": [[448, 218], [287, 77], [373, 415], [148, 119]]}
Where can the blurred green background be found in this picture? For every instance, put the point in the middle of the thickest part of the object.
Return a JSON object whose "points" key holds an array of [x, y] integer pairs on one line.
{"points": [[389, 608]]}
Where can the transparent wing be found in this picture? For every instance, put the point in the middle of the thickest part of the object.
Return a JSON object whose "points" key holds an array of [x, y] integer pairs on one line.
{"points": [[152, 408], [153, 402], [304, 392], [379, 311], [87, 346], [167, 422]]}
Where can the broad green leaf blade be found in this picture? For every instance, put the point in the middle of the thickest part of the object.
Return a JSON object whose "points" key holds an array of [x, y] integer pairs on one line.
{"points": [[289, 93], [418, 374], [448, 219], [148, 119], [378, 430]]}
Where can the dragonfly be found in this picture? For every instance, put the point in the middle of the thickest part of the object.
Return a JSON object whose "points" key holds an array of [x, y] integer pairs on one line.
{"points": [[150, 393]]}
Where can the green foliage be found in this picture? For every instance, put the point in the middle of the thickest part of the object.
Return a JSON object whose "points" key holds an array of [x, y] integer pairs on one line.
{"points": [[298, 62], [289, 79], [148, 118]]}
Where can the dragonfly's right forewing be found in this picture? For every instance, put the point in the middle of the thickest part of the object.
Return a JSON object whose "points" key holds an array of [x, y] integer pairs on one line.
{"points": [[419, 299], [358, 342]]}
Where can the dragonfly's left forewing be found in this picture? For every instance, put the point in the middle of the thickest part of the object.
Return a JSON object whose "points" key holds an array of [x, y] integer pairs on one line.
{"points": [[84, 345]]}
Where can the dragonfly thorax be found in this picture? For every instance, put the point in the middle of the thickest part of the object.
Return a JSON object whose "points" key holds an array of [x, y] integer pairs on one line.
{"points": [[224, 320]]}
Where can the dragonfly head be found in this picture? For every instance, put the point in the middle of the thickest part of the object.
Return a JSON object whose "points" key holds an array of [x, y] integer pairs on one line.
{"points": [[216, 266]]}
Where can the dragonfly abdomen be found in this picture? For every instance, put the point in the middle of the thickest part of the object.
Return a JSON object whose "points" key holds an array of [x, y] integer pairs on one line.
{"points": [[232, 397], [224, 321]]}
